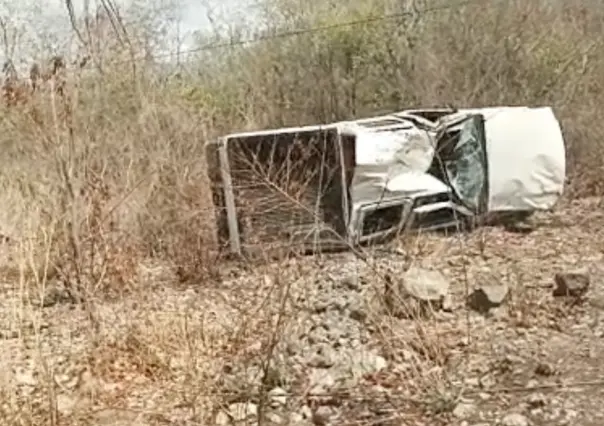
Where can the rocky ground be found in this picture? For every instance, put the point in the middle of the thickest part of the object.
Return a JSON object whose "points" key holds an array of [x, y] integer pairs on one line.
{"points": [[497, 327]]}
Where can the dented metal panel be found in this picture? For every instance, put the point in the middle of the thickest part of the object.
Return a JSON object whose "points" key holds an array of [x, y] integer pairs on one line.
{"points": [[316, 187]]}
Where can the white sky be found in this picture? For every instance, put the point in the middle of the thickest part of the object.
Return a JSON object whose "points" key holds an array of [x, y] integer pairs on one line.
{"points": [[45, 22], [192, 12]]}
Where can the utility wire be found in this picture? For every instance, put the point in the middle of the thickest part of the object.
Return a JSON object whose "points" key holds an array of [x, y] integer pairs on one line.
{"points": [[312, 30]]}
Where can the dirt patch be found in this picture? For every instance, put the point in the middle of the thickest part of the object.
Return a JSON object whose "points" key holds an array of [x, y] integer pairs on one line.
{"points": [[312, 341]]}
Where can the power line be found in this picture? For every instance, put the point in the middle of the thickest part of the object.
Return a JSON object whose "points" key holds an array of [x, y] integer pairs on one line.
{"points": [[312, 30]]}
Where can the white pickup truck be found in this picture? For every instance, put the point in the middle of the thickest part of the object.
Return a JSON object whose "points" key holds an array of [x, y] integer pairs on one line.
{"points": [[353, 182]]}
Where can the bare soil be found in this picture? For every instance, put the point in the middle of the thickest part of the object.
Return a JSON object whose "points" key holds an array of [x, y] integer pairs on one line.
{"points": [[309, 341]]}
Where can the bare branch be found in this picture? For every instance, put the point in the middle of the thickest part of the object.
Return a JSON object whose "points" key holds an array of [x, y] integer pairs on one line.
{"points": [[73, 19]]}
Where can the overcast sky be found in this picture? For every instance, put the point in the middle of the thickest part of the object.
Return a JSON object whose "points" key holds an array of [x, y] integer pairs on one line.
{"points": [[39, 18], [193, 13]]}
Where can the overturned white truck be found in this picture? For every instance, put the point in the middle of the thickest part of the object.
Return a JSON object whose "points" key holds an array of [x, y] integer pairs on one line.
{"points": [[333, 186]]}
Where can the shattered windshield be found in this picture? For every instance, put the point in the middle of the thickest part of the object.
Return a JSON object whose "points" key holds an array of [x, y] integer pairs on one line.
{"points": [[465, 168]]}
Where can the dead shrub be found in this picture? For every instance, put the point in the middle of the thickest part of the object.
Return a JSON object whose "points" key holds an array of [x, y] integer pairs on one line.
{"points": [[131, 139]]}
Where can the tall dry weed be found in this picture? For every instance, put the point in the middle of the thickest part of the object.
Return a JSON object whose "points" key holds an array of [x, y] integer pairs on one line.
{"points": [[113, 155]]}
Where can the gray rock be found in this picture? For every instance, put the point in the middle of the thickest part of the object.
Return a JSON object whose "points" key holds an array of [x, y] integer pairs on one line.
{"points": [[573, 283], [514, 419], [416, 292], [222, 419], [65, 404], [25, 377], [545, 369], [365, 362], [536, 400], [324, 357], [306, 412], [322, 415], [242, 411], [278, 397], [275, 419], [447, 303], [292, 348], [425, 284], [351, 282], [296, 418], [320, 306], [321, 381], [488, 296], [339, 304], [357, 313], [463, 410]]}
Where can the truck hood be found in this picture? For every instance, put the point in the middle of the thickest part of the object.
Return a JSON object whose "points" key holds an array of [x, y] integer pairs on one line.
{"points": [[525, 156]]}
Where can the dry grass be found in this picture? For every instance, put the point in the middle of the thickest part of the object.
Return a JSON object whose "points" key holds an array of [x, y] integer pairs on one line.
{"points": [[105, 194]]}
